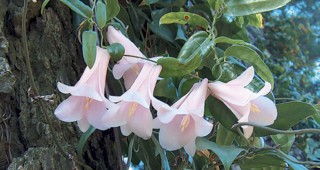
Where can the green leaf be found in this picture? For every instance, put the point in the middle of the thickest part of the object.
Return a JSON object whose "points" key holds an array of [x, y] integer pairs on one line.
{"points": [[184, 18], [289, 114], [224, 136], [101, 14], [167, 32], [113, 9], [79, 7], [189, 58], [250, 56], [165, 88], [44, 4], [256, 20], [172, 67], [285, 141], [84, 137], [226, 154], [247, 7], [89, 49], [116, 51], [148, 2]]}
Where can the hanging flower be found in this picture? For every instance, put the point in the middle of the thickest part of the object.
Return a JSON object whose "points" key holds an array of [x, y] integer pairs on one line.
{"points": [[127, 67], [132, 112], [87, 103], [245, 104], [181, 123]]}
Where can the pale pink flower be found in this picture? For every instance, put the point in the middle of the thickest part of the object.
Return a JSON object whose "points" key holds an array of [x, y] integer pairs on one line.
{"points": [[127, 67], [245, 104], [132, 112], [87, 102], [183, 122]]}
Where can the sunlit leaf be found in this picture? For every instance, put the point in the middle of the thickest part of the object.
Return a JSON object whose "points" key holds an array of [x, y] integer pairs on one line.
{"points": [[247, 7], [79, 7], [226, 154], [184, 18], [256, 20]]}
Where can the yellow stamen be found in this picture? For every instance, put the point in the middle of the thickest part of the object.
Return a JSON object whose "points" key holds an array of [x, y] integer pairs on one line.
{"points": [[254, 108], [88, 101], [135, 68], [185, 122], [132, 108]]}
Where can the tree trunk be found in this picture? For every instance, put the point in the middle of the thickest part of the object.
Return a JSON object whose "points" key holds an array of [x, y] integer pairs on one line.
{"points": [[26, 141]]}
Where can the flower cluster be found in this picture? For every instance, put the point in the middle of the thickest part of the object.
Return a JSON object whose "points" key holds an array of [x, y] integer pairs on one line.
{"points": [[179, 124]]}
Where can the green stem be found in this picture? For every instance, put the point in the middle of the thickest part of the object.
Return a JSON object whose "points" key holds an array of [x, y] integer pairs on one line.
{"points": [[130, 149], [143, 58], [298, 132]]}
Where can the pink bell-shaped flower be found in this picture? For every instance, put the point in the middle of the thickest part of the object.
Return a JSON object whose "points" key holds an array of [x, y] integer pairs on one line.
{"points": [[245, 104], [181, 123], [132, 112], [87, 103], [128, 67]]}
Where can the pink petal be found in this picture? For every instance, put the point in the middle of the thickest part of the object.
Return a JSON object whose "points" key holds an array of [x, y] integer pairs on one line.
{"points": [[83, 124], [266, 114], [238, 111], [130, 76], [172, 138], [247, 131], [115, 36], [70, 109], [156, 123], [264, 91], [116, 115], [80, 90], [94, 114], [202, 127], [194, 103], [191, 147], [244, 79], [120, 68], [232, 94], [140, 123]]}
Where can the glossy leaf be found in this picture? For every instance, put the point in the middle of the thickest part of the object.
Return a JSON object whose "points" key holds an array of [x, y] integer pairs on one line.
{"points": [[226, 154], [101, 14], [285, 141], [256, 20], [79, 7], [89, 50], [116, 51], [289, 114], [113, 9], [165, 88], [189, 58], [247, 7], [84, 137], [184, 18], [224, 136], [250, 56]]}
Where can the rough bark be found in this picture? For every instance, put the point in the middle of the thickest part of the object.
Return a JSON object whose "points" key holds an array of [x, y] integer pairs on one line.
{"points": [[26, 141]]}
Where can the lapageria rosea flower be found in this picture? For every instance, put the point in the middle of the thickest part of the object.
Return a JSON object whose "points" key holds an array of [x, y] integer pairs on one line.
{"points": [[183, 122], [128, 67], [87, 102], [132, 112], [245, 104]]}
